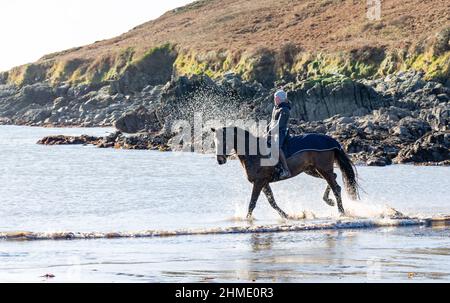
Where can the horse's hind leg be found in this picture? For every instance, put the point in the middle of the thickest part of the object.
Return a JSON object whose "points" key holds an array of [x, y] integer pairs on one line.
{"points": [[269, 194], [330, 177], [326, 194]]}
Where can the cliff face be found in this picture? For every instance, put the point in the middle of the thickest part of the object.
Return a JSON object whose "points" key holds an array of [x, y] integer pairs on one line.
{"points": [[263, 41]]}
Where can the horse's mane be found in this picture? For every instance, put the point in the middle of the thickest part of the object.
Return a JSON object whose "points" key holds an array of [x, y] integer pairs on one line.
{"points": [[247, 134], [237, 129]]}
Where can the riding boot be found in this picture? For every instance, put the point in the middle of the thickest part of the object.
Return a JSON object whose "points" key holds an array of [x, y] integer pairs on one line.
{"points": [[285, 173]]}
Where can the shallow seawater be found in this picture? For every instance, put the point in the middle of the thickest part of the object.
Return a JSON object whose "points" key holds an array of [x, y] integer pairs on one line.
{"points": [[82, 188]]}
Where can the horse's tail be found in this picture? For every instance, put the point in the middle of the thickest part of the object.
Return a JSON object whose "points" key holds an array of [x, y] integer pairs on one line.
{"points": [[349, 173]]}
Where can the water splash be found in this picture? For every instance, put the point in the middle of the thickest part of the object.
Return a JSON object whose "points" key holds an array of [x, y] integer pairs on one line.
{"points": [[366, 208], [333, 225], [211, 102]]}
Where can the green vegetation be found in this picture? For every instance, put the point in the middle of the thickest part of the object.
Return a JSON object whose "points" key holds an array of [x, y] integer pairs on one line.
{"points": [[262, 65], [435, 67], [213, 64], [316, 67]]}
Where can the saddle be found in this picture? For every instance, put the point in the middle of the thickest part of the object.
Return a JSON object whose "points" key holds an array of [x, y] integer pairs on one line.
{"points": [[309, 142]]}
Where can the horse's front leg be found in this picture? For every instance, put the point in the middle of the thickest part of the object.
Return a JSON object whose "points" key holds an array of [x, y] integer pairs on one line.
{"points": [[269, 194], [257, 187]]}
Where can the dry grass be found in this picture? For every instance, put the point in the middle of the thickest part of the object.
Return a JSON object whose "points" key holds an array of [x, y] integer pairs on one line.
{"points": [[309, 25]]}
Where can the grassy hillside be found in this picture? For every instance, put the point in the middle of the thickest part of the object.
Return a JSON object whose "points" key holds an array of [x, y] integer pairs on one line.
{"points": [[262, 40]]}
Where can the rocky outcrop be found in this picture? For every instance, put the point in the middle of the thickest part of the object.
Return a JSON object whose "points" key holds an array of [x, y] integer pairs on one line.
{"points": [[138, 120], [318, 100], [396, 119], [68, 140], [385, 136], [155, 67], [431, 148], [81, 105], [143, 141]]}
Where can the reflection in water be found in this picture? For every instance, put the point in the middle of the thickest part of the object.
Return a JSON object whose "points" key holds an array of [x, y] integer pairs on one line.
{"points": [[360, 255], [261, 242], [288, 257]]}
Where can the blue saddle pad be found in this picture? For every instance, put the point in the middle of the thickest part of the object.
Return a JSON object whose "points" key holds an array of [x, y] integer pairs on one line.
{"points": [[309, 142]]}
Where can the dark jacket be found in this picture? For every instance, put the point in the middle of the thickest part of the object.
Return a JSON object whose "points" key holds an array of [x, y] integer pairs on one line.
{"points": [[280, 117]]}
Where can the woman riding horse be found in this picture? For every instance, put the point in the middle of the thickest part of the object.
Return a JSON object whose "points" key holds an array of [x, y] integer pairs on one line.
{"points": [[278, 129], [315, 161]]}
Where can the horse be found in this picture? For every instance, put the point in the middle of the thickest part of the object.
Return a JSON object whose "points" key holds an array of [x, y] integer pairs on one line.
{"points": [[318, 164]]}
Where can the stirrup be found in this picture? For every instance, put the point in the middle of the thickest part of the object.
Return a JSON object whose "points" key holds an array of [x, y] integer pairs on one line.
{"points": [[284, 174]]}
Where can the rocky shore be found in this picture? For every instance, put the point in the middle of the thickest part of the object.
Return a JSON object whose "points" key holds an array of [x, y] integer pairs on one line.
{"points": [[400, 118], [144, 141]]}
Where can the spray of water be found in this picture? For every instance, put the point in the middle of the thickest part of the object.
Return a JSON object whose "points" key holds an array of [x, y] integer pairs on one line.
{"points": [[202, 106], [211, 102]]}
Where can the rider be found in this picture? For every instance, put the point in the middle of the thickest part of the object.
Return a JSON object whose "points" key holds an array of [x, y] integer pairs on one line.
{"points": [[280, 119]]}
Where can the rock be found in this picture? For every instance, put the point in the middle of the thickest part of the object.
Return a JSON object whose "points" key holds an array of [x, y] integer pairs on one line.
{"points": [[60, 102], [415, 128], [138, 76], [62, 90], [38, 93], [360, 112], [438, 116], [36, 115], [382, 161], [80, 90], [53, 119], [98, 118], [48, 276], [434, 147], [321, 101], [443, 97], [68, 140], [345, 120], [139, 120], [7, 91], [142, 141], [401, 131]]}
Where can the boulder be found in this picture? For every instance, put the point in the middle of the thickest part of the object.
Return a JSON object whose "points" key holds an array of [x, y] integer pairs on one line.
{"points": [[68, 140], [38, 93], [319, 100], [378, 161], [36, 115], [434, 147], [138, 120], [438, 116]]}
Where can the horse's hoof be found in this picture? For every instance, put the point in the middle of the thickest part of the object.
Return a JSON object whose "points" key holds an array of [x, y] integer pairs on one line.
{"points": [[296, 217]]}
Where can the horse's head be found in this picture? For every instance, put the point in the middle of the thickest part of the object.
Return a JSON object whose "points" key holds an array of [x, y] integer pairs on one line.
{"points": [[223, 147], [233, 140]]}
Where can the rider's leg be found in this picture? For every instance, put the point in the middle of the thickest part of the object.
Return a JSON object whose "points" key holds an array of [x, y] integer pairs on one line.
{"points": [[286, 173]]}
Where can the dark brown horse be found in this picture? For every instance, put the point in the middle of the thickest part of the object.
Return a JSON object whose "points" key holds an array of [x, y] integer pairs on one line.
{"points": [[319, 164]]}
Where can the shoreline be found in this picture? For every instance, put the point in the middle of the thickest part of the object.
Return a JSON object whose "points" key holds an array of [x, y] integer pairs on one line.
{"points": [[156, 141]]}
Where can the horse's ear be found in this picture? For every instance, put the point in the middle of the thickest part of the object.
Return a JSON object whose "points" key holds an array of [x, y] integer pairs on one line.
{"points": [[213, 129]]}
